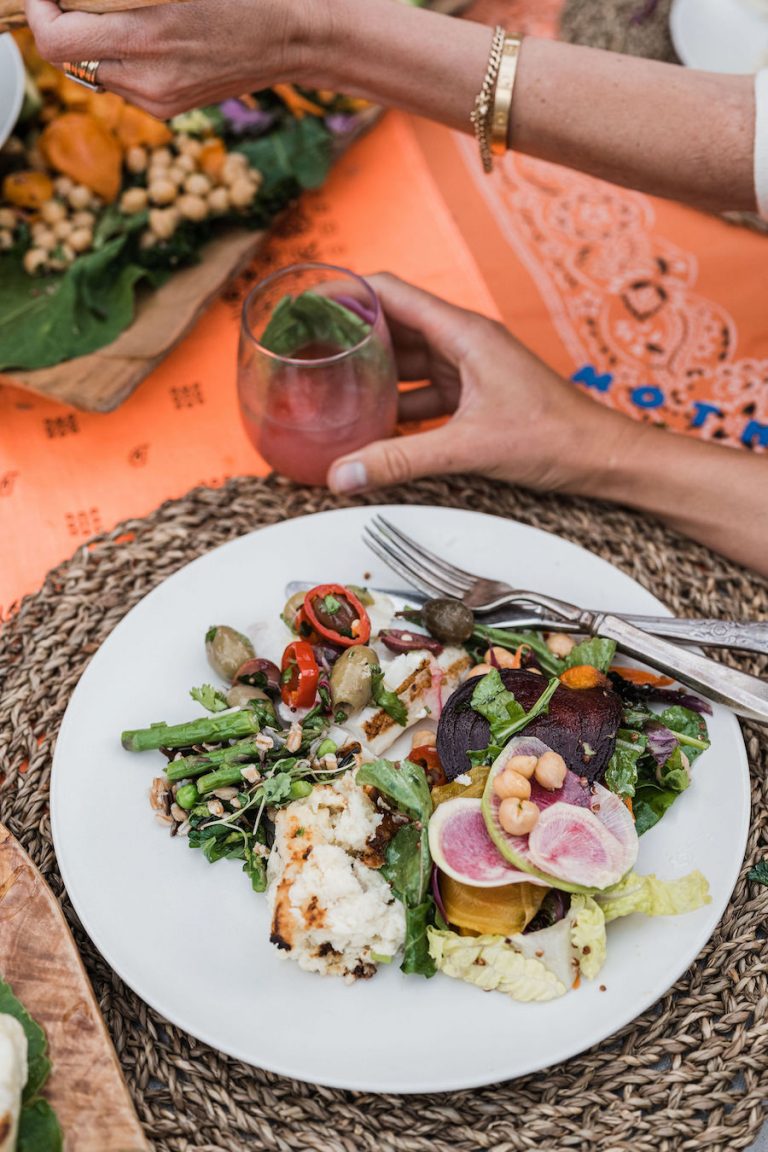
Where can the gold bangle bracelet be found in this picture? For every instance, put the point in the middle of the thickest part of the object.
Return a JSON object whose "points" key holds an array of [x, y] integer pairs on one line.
{"points": [[483, 109], [502, 97]]}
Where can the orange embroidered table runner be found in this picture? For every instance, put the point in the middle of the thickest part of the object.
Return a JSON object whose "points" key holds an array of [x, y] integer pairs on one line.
{"points": [[655, 309]]}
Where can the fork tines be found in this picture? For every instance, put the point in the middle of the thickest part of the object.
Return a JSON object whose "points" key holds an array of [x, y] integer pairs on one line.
{"points": [[415, 563]]}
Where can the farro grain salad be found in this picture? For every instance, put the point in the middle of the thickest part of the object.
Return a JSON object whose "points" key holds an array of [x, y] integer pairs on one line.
{"points": [[495, 851]]}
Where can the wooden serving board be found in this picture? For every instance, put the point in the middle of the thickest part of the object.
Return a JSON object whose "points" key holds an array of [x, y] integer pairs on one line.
{"points": [[39, 959]]}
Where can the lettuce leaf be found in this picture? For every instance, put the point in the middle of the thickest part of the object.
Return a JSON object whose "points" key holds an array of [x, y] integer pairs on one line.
{"points": [[492, 964], [597, 652], [654, 897], [39, 1130], [588, 939], [503, 712]]}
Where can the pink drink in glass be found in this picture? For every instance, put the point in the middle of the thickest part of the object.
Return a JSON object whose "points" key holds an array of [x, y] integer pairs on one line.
{"points": [[304, 410]]}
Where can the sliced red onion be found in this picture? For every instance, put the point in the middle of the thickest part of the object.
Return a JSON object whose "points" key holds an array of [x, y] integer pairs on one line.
{"points": [[399, 640]]}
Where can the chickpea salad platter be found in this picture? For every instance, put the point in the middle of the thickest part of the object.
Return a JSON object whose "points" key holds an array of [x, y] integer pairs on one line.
{"points": [[494, 850], [344, 797]]}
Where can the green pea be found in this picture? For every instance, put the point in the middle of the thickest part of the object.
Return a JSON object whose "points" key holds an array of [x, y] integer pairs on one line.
{"points": [[187, 796], [300, 789], [327, 748]]}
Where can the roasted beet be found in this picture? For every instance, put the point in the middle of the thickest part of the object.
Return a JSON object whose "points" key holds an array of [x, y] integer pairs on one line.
{"points": [[581, 724]]}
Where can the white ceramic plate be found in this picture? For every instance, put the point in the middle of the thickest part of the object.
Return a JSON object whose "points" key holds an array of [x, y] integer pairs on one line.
{"points": [[192, 939], [721, 35], [11, 85]]}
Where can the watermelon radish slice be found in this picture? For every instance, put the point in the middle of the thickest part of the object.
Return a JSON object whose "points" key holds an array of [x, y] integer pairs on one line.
{"points": [[461, 847], [576, 847]]}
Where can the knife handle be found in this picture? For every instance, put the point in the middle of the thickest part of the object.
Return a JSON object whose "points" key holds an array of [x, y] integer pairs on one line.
{"points": [[746, 695]]}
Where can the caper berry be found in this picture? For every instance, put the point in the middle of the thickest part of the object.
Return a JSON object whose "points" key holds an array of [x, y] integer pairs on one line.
{"points": [[227, 649], [449, 620]]}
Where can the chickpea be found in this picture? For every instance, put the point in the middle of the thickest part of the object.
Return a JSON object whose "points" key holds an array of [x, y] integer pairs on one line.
{"points": [[509, 784], [45, 239], [523, 765], [7, 218], [192, 207], [53, 212], [148, 240], [502, 657], [218, 201], [241, 193], [162, 191], [83, 219], [136, 159], [188, 146], [197, 184], [133, 200], [6, 240], [81, 239], [80, 197], [161, 157], [234, 167], [255, 178], [479, 670], [63, 185], [163, 222], [550, 771], [62, 230], [62, 258], [176, 174], [560, 644], [424, 738], [34, 261], [185, 163], [518, 817]]}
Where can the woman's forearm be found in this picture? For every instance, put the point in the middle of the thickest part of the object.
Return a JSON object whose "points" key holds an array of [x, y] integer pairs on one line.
{"points": [[640, 123], [713, 494]]}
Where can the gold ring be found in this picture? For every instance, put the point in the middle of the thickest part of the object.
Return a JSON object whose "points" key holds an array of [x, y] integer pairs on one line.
{"points": [[84, 73]]}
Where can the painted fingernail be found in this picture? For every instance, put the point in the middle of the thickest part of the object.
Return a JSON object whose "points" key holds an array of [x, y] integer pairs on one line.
{"points": [[349, 476]]}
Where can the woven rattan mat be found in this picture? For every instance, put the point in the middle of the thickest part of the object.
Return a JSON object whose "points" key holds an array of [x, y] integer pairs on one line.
{"points": [[685, 1076]]}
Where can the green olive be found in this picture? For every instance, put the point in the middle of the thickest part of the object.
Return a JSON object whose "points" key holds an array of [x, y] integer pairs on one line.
{"points": [[227, 650], [293, 606], [449, 620], [351, 678], [242, 694]]}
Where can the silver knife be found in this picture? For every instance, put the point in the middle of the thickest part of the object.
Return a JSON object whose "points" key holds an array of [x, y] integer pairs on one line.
{"points": [[746, 635]]}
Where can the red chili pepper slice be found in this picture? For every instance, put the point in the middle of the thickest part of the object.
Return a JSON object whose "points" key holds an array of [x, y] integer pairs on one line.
{"points": [[337, 615], [299, 675]]}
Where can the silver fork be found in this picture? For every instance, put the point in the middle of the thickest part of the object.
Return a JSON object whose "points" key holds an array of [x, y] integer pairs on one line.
{"points": [[746, 695], [435, 576]]}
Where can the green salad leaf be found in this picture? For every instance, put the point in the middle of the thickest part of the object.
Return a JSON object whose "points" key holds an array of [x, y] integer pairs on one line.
{"points": [[688, 727], [408, 865], [759, 874], [503, 712], [43, 322], [210, 698], [39, 1129], [621, 773], [298, 156], [654, 897], [390, 702], [596, 651], [308, 318]]}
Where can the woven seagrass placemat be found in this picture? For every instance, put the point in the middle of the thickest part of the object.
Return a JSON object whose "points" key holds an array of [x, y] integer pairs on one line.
{"points": [[688, 1075]]}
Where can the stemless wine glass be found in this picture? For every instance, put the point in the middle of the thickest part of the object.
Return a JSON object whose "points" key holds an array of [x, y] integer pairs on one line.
{"points": [[327, 383]]}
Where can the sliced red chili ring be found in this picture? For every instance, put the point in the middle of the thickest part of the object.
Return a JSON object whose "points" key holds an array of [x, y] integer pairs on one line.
{"points": [[299, 675], [427, 758], [337, 615]]}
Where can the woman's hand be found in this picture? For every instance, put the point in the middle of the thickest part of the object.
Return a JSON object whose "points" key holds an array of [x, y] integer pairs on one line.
{"points": [[171, 57], [512, 417]]}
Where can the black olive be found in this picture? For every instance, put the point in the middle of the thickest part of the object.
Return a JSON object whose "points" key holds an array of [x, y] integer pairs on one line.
{"points": [[449, 620]]}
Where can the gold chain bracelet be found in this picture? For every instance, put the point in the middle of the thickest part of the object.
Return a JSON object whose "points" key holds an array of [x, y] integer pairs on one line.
{"points": [[481, 113]]}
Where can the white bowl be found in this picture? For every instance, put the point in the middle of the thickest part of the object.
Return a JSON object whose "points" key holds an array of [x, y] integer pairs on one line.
{"points": [[721, 35], [11, 85]]}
